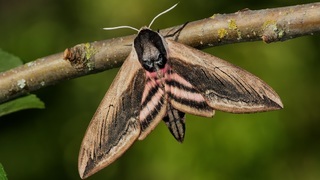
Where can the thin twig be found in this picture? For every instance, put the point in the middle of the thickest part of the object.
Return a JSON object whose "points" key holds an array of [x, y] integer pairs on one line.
{"points": [[268, 25]]}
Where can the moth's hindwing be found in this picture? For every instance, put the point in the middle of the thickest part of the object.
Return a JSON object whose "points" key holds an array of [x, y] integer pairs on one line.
{"points": [[115, 125], [184, 96], [224, 86], [153, 106]]}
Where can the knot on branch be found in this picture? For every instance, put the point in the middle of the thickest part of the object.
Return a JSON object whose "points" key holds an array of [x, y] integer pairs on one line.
{"points": [[81, 57], [272, 32]]}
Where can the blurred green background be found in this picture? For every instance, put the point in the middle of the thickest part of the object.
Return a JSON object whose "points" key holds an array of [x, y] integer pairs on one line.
{"points": [[44, 144]]}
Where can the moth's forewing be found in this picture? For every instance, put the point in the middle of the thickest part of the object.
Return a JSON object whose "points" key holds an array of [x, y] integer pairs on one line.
{"points": [[224, 86], [115, 125]]}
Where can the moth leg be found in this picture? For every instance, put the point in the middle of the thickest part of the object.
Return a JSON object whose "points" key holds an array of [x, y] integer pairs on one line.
{"points": [[176, 33], [175, 121]]}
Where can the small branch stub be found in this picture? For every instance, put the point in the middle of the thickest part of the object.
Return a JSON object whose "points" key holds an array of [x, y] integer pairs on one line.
{"points": [[80, 57]]}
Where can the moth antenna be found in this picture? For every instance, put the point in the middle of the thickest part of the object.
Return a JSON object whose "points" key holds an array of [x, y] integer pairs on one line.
{"points": [[120, 27], [162, 14]]}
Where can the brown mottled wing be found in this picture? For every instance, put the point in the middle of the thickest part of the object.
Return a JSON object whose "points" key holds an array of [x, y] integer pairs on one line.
{"points": [[115, 125], [224, 86]]}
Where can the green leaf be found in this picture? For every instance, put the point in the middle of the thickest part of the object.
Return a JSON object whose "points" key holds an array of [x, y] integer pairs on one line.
{"points": [[8, 61], [26, 102], [3, 175]]}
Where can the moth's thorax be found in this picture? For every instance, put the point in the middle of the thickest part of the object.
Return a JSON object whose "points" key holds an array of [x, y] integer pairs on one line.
{"points": [[151, 50], [159, 74]]}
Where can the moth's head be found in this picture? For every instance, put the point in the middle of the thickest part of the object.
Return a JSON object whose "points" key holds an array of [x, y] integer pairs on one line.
{"points": [[151, 50], [149, 45]]}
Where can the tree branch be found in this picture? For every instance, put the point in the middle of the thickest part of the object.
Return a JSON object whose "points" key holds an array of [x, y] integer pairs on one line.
{"points": [[268, 25]]}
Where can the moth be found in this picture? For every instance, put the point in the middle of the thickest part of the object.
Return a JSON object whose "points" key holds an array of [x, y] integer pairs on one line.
{"points": [[162, 80]]}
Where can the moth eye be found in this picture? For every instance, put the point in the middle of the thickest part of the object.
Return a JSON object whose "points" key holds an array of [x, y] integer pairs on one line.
{"points": [[160, 57], [161, 60], [147, 63]]}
